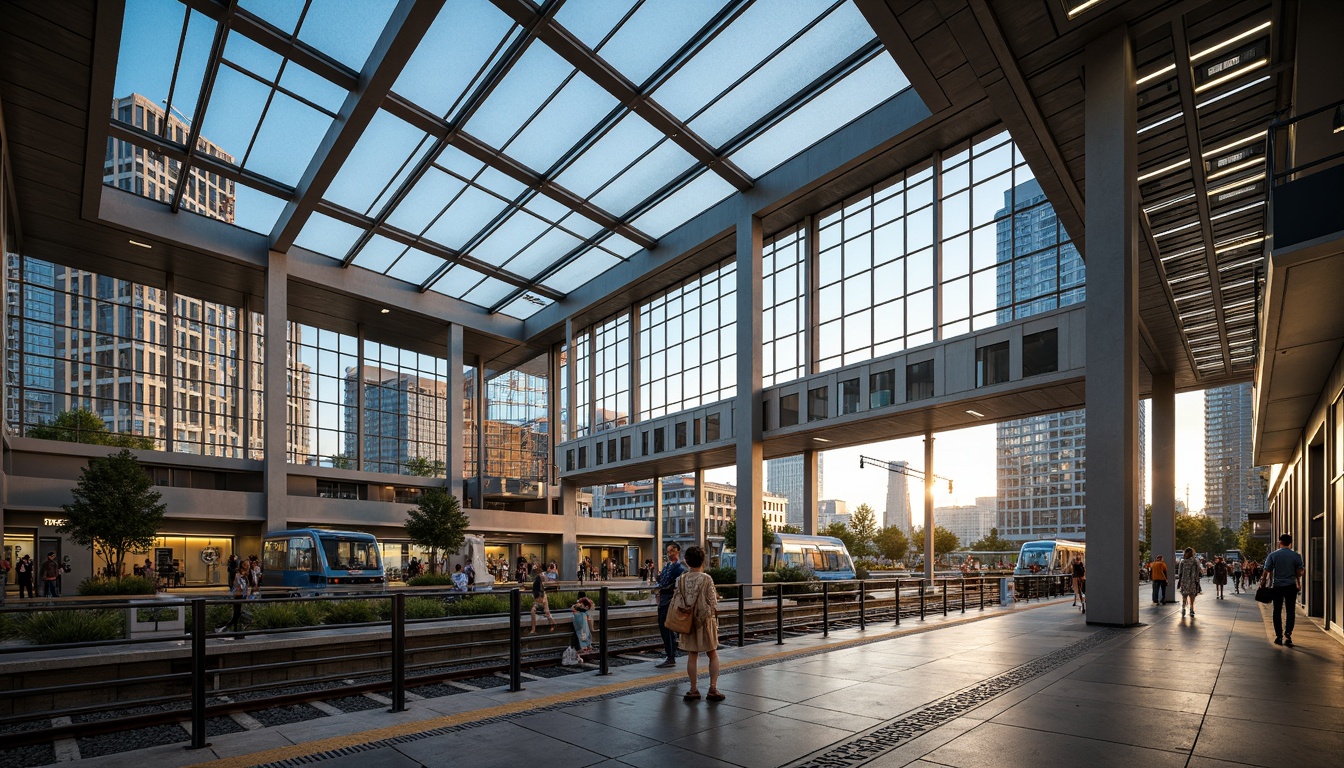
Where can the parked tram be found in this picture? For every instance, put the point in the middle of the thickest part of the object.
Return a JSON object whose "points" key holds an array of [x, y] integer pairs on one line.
{"points": [[1048, 557], [825, 556], [311, 561]]}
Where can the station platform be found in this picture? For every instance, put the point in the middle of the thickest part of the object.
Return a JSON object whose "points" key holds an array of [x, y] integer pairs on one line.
{"points": [[1029, 684]]}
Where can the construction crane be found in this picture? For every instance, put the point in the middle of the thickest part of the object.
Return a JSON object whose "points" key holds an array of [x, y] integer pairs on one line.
{"points": [[902, 468]]}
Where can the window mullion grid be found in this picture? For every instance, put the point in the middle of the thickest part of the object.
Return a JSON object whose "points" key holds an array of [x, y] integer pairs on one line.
{"points": [[937, 213]]}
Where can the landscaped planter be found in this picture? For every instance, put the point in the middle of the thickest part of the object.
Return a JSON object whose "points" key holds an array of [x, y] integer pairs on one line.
{"points": [[155, 617]]}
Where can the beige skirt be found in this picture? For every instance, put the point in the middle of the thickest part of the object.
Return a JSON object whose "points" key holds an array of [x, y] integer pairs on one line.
{"points": [[704, 636]]}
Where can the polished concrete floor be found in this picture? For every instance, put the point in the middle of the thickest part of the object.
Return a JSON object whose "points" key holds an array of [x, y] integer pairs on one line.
{"points": [[1031, 685]]}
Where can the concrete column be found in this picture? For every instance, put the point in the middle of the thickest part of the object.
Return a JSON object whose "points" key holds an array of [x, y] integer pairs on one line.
{"points": [[571, 370], [659, 534], [811, 493], [929, 522], [456, 386], [701, 532], [1112, 331], [748, 418], [170, 362], [569, 531], [479, 410], [361, 392], [1163, 531], [276, 374]]}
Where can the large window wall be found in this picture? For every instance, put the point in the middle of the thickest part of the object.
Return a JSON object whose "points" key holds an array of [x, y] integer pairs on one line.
{"points": [[784, 312], [688, 343], [517, 432], [327, 361]]}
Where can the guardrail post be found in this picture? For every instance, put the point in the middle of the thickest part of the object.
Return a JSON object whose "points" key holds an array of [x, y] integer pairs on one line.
{"points": [[863, 624], [741, 616], [602, 633], [923, 589], [198, 623], [779, 613], [898, 602], [515, 640], [398, 652], [825, 609], [963, 594], [982, 593], [945, 596]]}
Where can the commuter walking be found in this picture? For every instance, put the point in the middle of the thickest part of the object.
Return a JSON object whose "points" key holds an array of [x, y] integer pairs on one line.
{"points": [[1236, 577], [1159, 572], [1219, 575], [23, 573], [539, 601], [51, 570], [667, 580], [695, 590], [242, 585], [1283, 571], [1079, 579], [1188, 574]]}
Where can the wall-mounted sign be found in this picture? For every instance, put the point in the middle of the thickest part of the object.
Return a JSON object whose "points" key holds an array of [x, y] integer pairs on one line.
{"points": [[1239, 191], [52, 522], [1225, 67], [1228, 159]]}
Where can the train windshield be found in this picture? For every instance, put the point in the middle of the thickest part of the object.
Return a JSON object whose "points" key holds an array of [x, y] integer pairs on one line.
{"points": [[1036, 559], [827, 560], [350, 554]]}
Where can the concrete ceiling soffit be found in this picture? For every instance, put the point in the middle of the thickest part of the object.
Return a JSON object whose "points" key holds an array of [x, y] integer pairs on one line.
{"points": [[882, 17]]}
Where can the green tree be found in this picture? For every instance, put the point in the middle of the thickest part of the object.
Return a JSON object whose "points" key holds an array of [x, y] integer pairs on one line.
{"points": [[891, 543], [85, 426], [767, 535], [1198, 532], [116, 509], [730, 535], [863, 522], [842, 532], [790, 529], [437, 524], [422, 467], [341, 461], [944, 541], [1251, 547], [991, 543]]}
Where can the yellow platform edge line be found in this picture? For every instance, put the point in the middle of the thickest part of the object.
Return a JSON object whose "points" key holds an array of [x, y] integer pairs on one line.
{"points": [[446, 721]]}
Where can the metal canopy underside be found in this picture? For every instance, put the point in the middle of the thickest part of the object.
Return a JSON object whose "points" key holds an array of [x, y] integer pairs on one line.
{"points": [[1211, 76]]}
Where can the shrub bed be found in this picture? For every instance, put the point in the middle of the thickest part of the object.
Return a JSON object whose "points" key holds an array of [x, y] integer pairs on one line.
{"points": [[130, 585], [52, 627]]}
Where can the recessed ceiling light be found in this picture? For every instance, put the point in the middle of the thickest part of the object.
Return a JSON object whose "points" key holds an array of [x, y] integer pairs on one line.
{"points": [[384, 310], [821, 440], [140, 244], [976, 414]]}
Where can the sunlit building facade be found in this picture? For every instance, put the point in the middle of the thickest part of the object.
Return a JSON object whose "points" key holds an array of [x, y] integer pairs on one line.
{"points": [[1233, 487]]}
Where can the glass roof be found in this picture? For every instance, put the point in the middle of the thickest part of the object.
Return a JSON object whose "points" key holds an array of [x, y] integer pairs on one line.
{"points": [[522, 150]]}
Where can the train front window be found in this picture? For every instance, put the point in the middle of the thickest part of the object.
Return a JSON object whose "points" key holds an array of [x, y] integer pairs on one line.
{"points": [[300, 555], [349, 555], [1035, 559]]}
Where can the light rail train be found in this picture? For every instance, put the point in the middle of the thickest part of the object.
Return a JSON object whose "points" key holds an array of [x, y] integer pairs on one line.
{"points": [[313, 561], [1048, 557], [825, 556]]}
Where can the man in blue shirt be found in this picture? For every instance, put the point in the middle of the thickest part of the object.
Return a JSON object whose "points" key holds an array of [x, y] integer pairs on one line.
{"points": [[667, 583], [1283, 572]]}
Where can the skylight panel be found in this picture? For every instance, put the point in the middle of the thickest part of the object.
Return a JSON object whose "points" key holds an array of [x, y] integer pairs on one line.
{"points": [[489, 291], [646, 177], [586, 267], [525, 306], [512, 236], [620, 146], [313, 87], [327, 236], [426, 200], [676, 209], [283, 14], [837, 106], [238, 101], [415, 266], [620, 246], [255, 210], [345, 30], [252, 57], [543, 252], [646, 40], [379, 254], [289, 136], [150, 33], [732, 53], [456, 281], [463, 43], [537, 75], [565, 120], [469, 214], [835, 37], [379, 154]]}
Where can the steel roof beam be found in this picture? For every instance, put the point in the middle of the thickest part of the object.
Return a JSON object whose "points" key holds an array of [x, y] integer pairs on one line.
{"points": [[401, 36], [584, 59], [279, 42], [174, 151]]}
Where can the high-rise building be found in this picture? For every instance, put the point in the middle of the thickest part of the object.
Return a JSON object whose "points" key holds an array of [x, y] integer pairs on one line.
{"points": [[831, 511], [634, 501], [1041, 458], [970, 522], [1232, 486], [784, 477], [403, 419], [153, 175], [898, 500]]}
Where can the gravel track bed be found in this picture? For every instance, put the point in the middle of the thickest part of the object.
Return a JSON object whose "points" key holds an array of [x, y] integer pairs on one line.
{"points": [[288, 689], [435, 690], [219, 726], [125, 741], [27, 725], [292, 713], [487, 681], [355, 704], [35, 754], [112, 714]]}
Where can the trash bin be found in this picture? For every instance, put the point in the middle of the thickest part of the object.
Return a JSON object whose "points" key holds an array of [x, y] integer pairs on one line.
{"points": [[1005, 590]]}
